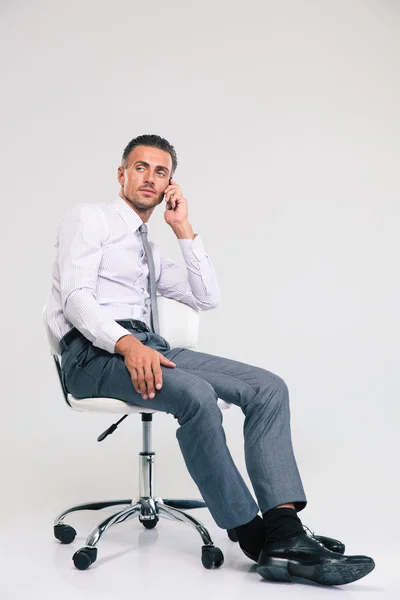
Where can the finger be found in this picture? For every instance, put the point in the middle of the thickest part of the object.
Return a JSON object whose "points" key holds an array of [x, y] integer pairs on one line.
{"points": [[157, 373], [142, 382], [170, 204], [179, 200], [172, 199], [175, 186], [148, 373], [167, 363], [176, 199], [170, 188], [170, 193], [135, 381]]}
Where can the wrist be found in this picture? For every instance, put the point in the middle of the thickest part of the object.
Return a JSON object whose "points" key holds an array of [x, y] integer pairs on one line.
{"points": [[183, 230], [126, 343]]}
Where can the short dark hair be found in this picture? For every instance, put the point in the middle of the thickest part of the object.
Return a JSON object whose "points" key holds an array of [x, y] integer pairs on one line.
{"points": [[154, 141]]}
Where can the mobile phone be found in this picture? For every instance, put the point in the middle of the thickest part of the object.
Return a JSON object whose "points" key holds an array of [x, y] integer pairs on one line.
{"points": [[169, 205]]}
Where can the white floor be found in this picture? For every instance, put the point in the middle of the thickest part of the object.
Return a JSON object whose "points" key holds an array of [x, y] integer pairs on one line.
{"points": [[163, 562]]}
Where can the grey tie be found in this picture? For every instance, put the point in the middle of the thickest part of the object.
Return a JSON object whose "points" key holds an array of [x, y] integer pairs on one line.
{"points": [[152, 275]]}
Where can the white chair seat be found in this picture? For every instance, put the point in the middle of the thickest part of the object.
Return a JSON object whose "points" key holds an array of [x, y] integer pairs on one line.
{"points": [[115, 406]]}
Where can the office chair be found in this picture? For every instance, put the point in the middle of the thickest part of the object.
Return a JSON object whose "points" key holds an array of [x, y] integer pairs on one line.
{"points": [[179, 324]]}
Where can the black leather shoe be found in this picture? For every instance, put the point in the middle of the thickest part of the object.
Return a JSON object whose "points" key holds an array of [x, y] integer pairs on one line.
{"points": [[303, 556], [328, 542]]}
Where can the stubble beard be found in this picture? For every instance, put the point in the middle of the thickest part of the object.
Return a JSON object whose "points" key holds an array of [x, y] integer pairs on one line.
{"points": [[137, 201]]}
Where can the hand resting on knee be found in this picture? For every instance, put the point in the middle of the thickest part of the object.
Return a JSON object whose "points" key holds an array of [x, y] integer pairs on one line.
{"points": [[143, 364]]}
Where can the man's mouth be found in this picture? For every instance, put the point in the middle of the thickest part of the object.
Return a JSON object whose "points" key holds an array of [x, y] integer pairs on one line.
{"points": [[147, 190]]}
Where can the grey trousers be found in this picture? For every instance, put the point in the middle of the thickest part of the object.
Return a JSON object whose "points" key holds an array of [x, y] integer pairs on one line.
{"points": [[190, 392]]}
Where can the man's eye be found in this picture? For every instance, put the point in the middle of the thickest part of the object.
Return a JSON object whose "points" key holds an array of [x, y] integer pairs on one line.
{"points": [[162, 172]]}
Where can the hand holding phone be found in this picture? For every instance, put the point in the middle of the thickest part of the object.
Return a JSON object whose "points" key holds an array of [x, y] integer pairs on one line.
{"points": [[175, 203]]}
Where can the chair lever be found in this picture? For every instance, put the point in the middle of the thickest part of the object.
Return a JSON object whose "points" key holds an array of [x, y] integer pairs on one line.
{"points": [[110, 430]]}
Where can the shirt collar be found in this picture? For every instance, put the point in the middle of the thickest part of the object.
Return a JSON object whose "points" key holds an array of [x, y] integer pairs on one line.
{"points": [[130, 217]]}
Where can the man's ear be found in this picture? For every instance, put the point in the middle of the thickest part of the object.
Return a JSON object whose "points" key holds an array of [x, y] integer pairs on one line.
{"points": [[120, 175]]}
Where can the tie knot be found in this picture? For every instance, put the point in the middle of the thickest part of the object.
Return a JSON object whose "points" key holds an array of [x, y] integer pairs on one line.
{"points": [[143, 228]]}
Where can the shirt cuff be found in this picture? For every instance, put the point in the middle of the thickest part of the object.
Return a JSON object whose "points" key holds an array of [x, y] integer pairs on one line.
{"points": [[192, 249], [109, 336]]}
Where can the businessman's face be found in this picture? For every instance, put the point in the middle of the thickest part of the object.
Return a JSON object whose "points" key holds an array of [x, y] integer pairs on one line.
{"points": [[146, 167]]}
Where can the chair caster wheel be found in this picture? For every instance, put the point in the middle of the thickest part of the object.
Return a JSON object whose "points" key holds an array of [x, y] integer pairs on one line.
{"points": [[149, 523], [211, 557], [64, 533], [84, 557], [232, 535]]}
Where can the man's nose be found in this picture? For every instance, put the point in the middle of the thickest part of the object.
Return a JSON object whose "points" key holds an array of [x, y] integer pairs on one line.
{"points": [[149, 178]]}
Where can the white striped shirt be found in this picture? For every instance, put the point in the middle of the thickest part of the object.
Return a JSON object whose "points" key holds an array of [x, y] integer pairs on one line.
{"points": [[100, 274]]}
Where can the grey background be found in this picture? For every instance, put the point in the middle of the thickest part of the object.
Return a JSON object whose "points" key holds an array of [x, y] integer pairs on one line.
{"points": [[285, 118]]}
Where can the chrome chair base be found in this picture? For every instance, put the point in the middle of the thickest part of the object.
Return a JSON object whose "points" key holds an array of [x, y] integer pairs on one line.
{"points": [[147, 508]]}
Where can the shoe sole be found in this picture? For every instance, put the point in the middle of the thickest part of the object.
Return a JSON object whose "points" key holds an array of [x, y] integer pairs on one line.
{"points": [[280, 569]]}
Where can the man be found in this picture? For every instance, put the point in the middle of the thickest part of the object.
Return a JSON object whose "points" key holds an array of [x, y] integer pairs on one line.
{"points": [[100, 280]]}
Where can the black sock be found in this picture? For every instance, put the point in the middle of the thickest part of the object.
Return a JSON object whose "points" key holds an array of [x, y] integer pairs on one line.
{"points": [[251, 536], [281, 523]]}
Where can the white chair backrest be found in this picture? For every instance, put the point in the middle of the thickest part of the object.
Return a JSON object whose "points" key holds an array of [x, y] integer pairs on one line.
{"points": [[54, 345], [179, 325]]}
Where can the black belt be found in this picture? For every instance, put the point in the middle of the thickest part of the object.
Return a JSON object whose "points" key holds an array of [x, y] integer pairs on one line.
{"points": [[128, 323]]}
